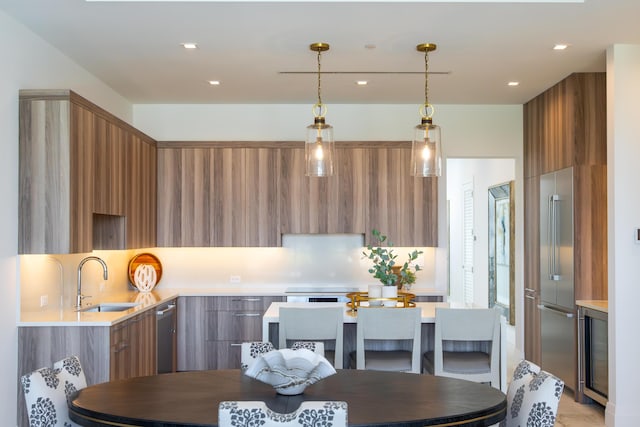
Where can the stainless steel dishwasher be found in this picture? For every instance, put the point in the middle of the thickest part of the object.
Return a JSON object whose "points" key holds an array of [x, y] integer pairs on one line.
{"points": [[166, 337]]}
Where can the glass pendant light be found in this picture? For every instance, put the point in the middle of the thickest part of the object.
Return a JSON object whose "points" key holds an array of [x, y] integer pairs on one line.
{"points": [[426, 150], [319, 147]]}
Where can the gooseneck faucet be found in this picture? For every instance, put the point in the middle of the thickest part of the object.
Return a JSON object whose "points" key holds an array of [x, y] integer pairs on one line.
{"points": [[79, 296]]}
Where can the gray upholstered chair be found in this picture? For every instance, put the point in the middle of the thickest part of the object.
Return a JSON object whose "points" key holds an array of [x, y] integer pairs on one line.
{"points": [[533, 397], [321, 324], [309, 414], [384, 325], [46, 391], [250, 351], [468, 329]]}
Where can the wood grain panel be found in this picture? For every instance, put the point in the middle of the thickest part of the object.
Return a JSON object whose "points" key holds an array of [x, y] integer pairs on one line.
{"points": [[81, 147], [590, 115], [227, 209], [43, 345], [348, 192], [590, 232], [141, 192], [109, 169], [401, 206], [261, 197], [192, 333], [196, 197], [169, 205]]}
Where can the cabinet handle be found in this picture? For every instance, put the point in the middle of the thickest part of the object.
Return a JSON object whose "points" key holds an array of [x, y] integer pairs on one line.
{"points": [[530, 297], [123, 345], [246, 299], [233, 344], [529, 290], [247, 314]]}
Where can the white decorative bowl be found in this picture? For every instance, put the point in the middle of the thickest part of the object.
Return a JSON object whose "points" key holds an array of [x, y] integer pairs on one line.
{"points": [[145, 277], [288, 371]]}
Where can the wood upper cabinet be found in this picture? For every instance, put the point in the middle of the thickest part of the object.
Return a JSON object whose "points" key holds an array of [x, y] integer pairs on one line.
{"points": [[249, 194], [333, 204], [141, 192], [217, 196], [56, 173], [566, 125], [401, 206], [76, 190], [109, 168]]}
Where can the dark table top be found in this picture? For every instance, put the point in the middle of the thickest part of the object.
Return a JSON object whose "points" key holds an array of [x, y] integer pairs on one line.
{"points": [[374, 398]]}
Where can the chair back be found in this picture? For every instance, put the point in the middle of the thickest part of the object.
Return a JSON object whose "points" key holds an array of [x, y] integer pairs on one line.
{"points": [[313, 324], [46, 391], [388, 324], [533, 397], [309, 414], [468, 325]]}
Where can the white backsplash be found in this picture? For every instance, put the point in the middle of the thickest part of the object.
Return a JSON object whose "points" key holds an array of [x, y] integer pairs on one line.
{"points": [[304, 260]]}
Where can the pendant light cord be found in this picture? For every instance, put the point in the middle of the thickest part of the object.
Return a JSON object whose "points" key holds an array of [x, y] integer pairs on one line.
{"points": [[319, 96], [426, 77]]}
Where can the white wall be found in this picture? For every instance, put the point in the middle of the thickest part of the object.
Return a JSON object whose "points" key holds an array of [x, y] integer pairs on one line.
{"points": [[483, 173], [28, 62], [623, 175]]}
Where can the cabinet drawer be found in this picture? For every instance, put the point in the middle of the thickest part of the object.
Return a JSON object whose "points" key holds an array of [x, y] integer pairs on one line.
{"points": [[244, 302], [227, 354], [239, 326]]}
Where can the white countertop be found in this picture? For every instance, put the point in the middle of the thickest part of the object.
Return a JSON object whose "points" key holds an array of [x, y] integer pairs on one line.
{"points": [[600, 305], [70, 317]]}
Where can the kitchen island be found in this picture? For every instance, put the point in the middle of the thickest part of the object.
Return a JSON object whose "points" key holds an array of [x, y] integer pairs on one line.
{"points": [[271, 319]]}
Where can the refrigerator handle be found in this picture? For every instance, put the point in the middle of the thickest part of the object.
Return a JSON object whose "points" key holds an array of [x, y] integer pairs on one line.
{"points": [[554, 237], [550, 236], [543, 307]]}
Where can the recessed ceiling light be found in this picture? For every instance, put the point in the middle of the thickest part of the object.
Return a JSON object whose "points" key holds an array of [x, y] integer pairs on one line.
{"points": [[362, 82], [560, 46], [369, 46], [214, 82], [189, 45], [513, 83]]}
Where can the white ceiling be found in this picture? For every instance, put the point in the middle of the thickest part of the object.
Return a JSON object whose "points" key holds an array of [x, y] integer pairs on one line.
{"points": [[134, 47]]}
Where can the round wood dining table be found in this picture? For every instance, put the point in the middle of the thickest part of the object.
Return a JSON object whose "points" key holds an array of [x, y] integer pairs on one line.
{"points": [[373, 398]]}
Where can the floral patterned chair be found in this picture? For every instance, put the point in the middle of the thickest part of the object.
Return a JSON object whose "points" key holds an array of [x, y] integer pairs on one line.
{"points": [[250, 351], [309, 414], [46, 391], [532, 397]]}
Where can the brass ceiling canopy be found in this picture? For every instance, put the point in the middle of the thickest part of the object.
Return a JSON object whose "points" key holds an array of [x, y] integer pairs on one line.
{"points": [[319, 47], [426, 47]]}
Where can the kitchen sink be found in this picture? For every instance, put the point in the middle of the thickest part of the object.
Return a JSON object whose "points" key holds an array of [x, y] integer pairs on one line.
{"points": [[110, 307]]}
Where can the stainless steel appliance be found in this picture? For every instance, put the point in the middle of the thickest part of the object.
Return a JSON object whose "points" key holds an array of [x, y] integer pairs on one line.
{"points": [[594, 354], [557, 299], [166, 337], [318, 294]]}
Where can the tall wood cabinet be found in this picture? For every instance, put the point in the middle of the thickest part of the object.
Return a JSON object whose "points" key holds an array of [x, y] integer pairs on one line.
{"points": [[566, 126], [249, 194], [77, 186]]}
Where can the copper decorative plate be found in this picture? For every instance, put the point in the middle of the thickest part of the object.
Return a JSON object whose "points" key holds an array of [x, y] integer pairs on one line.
{"points": [[144, 258]]}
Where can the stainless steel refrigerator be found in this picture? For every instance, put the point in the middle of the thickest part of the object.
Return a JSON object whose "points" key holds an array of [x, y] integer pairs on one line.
{"points": [[557, 299]]}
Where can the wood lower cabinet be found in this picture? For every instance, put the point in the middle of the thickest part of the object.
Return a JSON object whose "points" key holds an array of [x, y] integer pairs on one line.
{"points": [[123, 350], [133, 347], [532, 269], [211, 329]]}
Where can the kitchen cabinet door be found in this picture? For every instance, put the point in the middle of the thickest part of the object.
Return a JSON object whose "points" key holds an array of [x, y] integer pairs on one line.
{"points": [[141, 192], [333, 204], [110, 164], [133, 347], [262, 166], [55, 173], [402, 207]]}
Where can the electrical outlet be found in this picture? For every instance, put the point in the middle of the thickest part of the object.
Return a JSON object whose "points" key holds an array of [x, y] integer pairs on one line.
{"points": [[44, 300], [235, 279]]}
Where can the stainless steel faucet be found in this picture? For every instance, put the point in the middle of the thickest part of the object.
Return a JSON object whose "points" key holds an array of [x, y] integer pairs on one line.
{"points": [[79, 296]]}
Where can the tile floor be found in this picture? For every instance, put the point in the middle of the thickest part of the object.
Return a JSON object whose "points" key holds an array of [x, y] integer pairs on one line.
{"points": [[570, 412]]}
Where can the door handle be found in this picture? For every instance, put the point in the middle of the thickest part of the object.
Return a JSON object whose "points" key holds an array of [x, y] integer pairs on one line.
{"points": [[561, 313]]}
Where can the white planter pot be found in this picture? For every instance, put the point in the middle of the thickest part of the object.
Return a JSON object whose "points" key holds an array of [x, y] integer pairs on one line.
{"points": [[375, 291], [390, 292]]}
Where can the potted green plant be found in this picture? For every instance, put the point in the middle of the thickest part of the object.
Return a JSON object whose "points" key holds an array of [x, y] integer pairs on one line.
{"points": [[385, 266]]}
